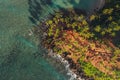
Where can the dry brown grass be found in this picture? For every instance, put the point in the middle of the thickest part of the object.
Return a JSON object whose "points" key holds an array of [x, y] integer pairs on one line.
{"points": [[94, 52]]}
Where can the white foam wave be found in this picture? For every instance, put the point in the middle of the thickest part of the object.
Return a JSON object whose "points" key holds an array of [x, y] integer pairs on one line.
{"points": [[70, 73]]}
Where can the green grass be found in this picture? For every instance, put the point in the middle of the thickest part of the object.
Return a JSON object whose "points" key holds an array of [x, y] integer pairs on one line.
{"points": [[91, 71]]}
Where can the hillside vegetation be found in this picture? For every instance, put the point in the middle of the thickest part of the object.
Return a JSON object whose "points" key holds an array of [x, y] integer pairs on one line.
{"points": [[92, 42]]}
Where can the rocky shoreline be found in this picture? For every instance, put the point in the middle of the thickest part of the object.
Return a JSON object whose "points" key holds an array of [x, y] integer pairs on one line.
{"points": [[73, 70], [67, 65]]}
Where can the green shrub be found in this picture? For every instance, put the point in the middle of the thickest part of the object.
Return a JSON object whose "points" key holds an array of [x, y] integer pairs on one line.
{"points": [[91, 71]]}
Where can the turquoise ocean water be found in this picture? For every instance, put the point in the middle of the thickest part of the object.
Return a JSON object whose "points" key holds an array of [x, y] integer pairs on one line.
{"points": [[18, 49]]}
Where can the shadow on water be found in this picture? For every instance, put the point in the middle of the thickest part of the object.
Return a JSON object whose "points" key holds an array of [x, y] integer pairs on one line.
{"points": [[37, 11], [43, 9]]}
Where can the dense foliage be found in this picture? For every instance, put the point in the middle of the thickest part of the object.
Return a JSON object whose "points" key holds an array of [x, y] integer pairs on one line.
{"points": [[106, 22], [70, 21]]}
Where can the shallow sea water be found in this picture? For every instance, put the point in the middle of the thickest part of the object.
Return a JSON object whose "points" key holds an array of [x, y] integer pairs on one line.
{"points": [[20, 56]]}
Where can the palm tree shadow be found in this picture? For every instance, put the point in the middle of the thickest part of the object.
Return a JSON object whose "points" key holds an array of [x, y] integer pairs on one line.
{"points": [[36, 8], [41, 9]]}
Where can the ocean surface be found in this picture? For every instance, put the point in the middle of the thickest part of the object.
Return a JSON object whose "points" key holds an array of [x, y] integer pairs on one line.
{"points": [[20, 56]]}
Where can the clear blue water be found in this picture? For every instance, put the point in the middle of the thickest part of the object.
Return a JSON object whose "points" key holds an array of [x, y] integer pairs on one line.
{"points": [[18, 49]]}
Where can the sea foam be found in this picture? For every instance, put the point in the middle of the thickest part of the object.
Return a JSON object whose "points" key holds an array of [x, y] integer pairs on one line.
{"points": [[70, 73]]}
